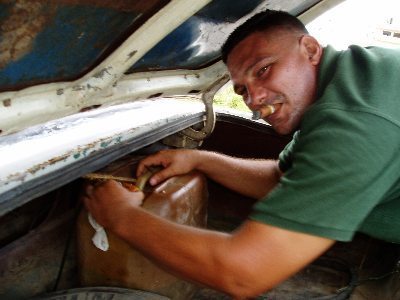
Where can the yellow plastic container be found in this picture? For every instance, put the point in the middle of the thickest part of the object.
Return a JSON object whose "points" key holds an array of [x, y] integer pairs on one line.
{"points": [[181, 199]]}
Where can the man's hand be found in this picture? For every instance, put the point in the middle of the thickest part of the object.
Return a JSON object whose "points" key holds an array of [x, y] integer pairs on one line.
{"points": [[175, 162], [107, 202], [249, 177]]}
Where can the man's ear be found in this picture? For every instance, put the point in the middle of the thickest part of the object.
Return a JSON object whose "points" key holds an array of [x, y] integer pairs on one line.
{"points": [[311, 48]]}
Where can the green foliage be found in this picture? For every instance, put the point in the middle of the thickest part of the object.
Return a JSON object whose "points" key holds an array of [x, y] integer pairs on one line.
{"points": [[226, 97]]}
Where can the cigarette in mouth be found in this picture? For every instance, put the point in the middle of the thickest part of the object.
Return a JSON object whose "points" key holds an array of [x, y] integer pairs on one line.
{"points": [[264, 111]]}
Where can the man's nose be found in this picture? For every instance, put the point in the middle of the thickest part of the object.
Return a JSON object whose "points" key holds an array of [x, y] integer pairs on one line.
{"points": [[256, 96]]}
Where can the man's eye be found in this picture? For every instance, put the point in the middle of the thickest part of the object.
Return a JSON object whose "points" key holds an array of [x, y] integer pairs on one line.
{"points": [[262, 71]]}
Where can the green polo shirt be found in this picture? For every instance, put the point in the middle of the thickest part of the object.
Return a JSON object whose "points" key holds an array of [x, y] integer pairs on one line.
{"points": [[342, 168]]}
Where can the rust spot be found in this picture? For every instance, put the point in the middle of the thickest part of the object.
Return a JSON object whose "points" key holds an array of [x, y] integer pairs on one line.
{"points": [[57, 159], [154, 95], [60, 92], [25, 20], [50, 162], [7, 102]]}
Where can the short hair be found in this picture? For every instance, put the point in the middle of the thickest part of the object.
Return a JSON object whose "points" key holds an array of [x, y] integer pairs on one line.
{"points": [[268, 19]]}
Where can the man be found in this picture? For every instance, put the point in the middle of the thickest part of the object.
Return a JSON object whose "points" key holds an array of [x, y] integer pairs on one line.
{"points": [[339, 175]]}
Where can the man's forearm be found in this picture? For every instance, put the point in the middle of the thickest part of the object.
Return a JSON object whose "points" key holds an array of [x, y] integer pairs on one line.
{"points": [[250, 177], [182, 252], [243, 264]]}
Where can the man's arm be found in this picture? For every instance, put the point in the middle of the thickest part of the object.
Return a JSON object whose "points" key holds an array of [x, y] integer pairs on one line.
{"points": [[245, 263], [250, 177]]}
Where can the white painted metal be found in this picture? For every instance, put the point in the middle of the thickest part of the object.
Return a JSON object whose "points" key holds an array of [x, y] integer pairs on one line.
{"points": [[57, 144], [318, 9]]}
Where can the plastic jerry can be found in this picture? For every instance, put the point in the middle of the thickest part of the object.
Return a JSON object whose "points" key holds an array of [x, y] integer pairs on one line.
{"points": [[181, 199]]}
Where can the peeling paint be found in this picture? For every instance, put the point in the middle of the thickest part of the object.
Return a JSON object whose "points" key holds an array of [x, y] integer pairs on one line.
{"points": [[131, 54], [102, 72], [16, 177], [60, 92], [75, 154], [95, 88], [105, 144], [7, 102], [77, 88], [43, 165]]}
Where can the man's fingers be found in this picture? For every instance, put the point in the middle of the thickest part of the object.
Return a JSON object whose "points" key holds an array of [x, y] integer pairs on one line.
{"points": [[162, 158], [160, 176], [145, 165], [155, 178], [88, 190], [140, 198], [141, 167]]}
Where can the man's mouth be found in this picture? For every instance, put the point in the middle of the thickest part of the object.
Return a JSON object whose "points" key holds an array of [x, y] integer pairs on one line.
{"points": [[264, 111]]}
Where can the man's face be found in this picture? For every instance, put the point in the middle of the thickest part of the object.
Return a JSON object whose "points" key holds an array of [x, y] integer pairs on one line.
{"points": [[275, 69]]}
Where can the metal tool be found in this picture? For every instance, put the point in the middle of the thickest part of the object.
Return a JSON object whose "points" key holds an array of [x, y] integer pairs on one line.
{"points": [[140, 182]]}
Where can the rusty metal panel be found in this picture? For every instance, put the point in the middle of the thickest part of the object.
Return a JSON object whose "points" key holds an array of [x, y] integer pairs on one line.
{"points": [[46, 41]]}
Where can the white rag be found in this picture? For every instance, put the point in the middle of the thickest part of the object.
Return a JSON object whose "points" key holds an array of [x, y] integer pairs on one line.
{"points": [[99, 239]]}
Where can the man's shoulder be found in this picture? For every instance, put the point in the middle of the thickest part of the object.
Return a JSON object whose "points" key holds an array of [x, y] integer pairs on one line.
{"points": [[360, 80]]}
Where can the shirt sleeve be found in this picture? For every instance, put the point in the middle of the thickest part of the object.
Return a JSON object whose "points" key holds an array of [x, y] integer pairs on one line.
{"points": [[339, 168]]}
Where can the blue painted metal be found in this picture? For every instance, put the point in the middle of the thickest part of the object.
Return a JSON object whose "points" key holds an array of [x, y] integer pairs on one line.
{"points": [[72, 42], [190, 45]]}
